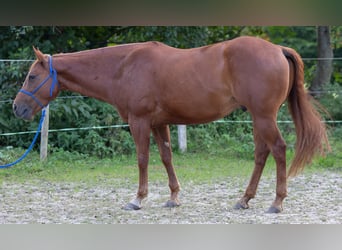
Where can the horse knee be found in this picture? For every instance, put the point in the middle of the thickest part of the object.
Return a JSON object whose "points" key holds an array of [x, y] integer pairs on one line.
{"points": [[143, 160]]}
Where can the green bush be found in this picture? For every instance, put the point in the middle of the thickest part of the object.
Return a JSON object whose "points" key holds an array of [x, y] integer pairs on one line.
{"points": [[72, 111], [78, 112], [331, 99]]}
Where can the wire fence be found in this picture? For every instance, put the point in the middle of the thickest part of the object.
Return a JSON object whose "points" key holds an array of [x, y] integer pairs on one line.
{"points": [[126, 125]]}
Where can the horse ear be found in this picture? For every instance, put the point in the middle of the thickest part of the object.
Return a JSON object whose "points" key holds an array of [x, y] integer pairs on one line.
{"points": [[39, 54]]}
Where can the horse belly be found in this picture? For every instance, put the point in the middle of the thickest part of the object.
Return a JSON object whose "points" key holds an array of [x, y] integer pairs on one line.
{"points": [[196, 111]]}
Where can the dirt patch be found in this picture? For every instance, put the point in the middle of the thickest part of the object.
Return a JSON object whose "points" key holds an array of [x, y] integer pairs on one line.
{"points": [[312, 198]]}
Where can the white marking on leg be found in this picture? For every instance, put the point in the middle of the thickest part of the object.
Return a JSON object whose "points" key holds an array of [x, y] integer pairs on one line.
{"points": [[136, 202]]}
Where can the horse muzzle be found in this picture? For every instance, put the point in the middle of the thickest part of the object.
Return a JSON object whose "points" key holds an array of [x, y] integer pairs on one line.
{"points": [[23, 111]]}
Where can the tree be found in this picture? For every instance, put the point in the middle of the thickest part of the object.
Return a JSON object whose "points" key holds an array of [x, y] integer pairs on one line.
{"points": [[325, 55]]}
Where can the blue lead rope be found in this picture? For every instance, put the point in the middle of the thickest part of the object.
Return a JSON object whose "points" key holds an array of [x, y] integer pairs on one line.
{"points": [[53, 76], [32, 143]]}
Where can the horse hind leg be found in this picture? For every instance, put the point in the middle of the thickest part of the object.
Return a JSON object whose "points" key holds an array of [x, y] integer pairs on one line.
{"points": [[260, 155], [162, 137], [271, 135], [279, 154], [268, 139]]}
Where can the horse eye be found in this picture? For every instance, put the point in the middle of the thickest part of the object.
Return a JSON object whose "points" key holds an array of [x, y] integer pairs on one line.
{"points": [[32, 77]]}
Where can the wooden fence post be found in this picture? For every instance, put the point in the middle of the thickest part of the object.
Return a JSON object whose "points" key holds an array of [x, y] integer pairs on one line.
{"points": [[182, 143], [44, 136]]}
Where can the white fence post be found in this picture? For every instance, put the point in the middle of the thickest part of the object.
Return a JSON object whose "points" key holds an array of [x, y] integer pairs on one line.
{"points": [[182, 143], [44, 136]]}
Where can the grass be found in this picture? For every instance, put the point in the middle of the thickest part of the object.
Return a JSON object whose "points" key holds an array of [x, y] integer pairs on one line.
{"points": [[194, 167], [65, 166]]}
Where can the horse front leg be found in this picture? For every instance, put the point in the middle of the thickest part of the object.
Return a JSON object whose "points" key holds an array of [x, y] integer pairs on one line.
{"points": [[140, 130], [162, 137]]}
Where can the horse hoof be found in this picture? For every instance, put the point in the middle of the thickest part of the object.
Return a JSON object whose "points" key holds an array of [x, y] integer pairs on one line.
{"points": [[273, 210], [239, 206], [171, 204], [130, 206]]}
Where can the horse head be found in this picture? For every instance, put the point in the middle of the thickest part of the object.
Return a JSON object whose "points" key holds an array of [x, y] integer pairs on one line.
{"points": [[39, 88]]}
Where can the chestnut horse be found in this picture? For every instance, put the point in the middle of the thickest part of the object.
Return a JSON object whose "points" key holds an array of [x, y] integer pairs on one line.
{"points": [[153, 85]]}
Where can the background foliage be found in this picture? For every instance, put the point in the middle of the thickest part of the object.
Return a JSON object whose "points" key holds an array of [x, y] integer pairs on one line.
{"points": [[72, 111]]}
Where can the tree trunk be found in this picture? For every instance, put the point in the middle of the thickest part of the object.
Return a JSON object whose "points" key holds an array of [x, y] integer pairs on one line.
{"points": [[324, 63]]}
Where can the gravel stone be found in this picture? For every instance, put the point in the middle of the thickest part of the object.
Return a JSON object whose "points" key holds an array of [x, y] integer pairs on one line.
{"points": [[312, 198]]}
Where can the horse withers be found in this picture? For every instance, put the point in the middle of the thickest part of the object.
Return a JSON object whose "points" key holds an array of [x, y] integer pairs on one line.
{"points": [[153, 85]]}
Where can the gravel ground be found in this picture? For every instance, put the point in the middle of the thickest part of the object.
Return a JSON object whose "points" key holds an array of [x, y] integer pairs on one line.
{"points": [[312, 198]]}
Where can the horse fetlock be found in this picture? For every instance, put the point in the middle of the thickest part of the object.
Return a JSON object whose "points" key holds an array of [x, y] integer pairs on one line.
{"points": [[175, 188]]}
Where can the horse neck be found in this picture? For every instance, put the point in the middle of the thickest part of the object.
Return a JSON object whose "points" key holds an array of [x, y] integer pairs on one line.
{"points": [[89, 73]]}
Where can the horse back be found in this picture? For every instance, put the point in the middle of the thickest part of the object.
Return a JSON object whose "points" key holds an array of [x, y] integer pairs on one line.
{"points": [[199, 85]]}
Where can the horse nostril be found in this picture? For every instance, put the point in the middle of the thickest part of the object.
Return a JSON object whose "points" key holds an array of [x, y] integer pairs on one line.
{"points": [[25, 111], [14, 107]]}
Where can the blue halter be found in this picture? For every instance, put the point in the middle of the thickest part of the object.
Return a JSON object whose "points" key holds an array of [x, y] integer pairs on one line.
{"points": [[53, 76]]}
